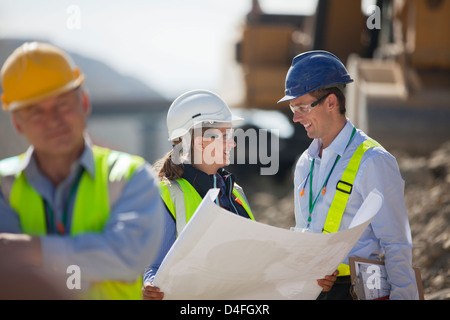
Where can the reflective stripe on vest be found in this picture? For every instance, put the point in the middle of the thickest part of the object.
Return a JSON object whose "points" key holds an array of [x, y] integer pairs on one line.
{"points": [[112, 170], [183, 208], [344, 188]]}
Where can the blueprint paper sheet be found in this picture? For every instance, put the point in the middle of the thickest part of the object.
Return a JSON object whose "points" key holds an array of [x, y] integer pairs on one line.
{"points": [[221, 256]]}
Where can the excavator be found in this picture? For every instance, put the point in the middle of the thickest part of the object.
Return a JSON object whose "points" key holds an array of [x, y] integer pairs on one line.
{"points": [[397, 51]]}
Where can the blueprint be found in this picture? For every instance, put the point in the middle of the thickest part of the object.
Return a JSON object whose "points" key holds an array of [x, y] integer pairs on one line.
{"points": [[222, 256]]}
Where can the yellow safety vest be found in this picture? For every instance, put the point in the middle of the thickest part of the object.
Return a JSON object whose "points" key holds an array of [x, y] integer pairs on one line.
{"points": [[343, 189], [91, 208], [186, 206]]}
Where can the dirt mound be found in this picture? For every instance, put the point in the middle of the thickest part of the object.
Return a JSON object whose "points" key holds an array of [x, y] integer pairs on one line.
{"points": [[427, 197]]}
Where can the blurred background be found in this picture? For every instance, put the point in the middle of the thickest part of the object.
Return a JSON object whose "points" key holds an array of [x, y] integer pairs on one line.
{"points": [[138, 56]]}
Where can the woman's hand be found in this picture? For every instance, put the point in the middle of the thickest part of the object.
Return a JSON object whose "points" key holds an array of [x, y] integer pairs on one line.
{"points": [[150, 292]]}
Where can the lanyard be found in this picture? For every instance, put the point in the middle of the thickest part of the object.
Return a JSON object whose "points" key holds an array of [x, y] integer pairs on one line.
{"points": [[60, 226], [312, 203]]}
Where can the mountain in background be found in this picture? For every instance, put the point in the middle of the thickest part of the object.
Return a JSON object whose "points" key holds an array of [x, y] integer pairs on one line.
{"points": [[104, 84], [110, 93]]}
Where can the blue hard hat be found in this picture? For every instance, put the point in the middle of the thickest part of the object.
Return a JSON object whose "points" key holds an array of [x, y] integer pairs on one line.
{"points": [[313, 70]]}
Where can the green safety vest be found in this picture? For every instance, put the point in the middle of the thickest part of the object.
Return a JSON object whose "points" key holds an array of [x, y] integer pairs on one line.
{"points": [[343, 190], [93, 196], [186, 205]]}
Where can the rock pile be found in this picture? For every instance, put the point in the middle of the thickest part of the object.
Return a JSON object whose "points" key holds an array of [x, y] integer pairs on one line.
{"points": [[427, 197]]}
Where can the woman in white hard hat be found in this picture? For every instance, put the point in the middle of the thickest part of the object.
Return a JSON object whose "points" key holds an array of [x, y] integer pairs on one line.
{"points": [[200, 129]]}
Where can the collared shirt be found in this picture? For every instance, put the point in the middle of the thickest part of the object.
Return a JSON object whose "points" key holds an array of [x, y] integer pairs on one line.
{"points": [[132, 237], [389, 232]]}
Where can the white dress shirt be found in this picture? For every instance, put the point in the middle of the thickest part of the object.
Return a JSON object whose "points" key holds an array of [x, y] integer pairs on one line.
{"points": [[389, 232]]}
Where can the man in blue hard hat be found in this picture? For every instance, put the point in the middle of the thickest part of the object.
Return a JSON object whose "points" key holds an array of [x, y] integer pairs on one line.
{"points": [[338, 171]]}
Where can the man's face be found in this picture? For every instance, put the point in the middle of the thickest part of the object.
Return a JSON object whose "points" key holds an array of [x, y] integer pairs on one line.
{"points": [[315, 122], [54, 126]]}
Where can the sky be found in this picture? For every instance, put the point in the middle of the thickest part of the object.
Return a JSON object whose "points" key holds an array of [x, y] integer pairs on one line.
{"points": [[171, 45]]}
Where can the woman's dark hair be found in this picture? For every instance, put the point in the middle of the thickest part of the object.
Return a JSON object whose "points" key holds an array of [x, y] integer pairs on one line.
{"points": [[167, 168]]}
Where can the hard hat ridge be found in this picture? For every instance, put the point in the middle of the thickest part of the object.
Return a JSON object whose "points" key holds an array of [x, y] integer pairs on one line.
{"points": [[194, 108]]}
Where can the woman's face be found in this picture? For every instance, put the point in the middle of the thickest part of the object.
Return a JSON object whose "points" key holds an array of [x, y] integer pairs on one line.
{"points": [[212, 149]]}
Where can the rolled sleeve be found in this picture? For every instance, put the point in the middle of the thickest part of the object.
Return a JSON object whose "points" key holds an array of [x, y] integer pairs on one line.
{"points": [[9, 220], [169, 239]]}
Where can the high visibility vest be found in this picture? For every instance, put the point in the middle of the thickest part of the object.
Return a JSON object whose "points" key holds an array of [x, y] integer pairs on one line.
{"points": [[91, 211], [344, 188], [182, 200]]}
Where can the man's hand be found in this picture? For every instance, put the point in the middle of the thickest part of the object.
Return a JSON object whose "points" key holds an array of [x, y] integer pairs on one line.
{"points": [[328, 282], [21, 275], [20, 247], [150, 292]]}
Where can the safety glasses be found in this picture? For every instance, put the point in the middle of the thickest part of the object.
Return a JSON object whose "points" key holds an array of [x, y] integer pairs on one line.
{"points": [[306, 108], [215, 134]]}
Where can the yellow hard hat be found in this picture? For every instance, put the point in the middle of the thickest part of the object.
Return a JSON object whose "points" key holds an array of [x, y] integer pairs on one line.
{"points": [[36, 71]]}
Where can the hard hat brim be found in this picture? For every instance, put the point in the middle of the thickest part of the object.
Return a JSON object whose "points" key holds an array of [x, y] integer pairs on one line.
{"points": [[286, 98], [180, 132], [16, 105], [340, 86], [219, 123]]}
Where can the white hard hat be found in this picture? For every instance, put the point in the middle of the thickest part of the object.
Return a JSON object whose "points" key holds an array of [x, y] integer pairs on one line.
{"points": [[196, 107]]}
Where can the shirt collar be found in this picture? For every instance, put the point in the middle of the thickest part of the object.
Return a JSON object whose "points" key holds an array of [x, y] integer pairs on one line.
{"points": [[341, 141], [202, 181], [86, 160], [338, 145]]}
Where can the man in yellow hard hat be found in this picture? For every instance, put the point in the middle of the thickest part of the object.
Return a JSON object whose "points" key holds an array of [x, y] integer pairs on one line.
{"points": [[67, 205]]}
